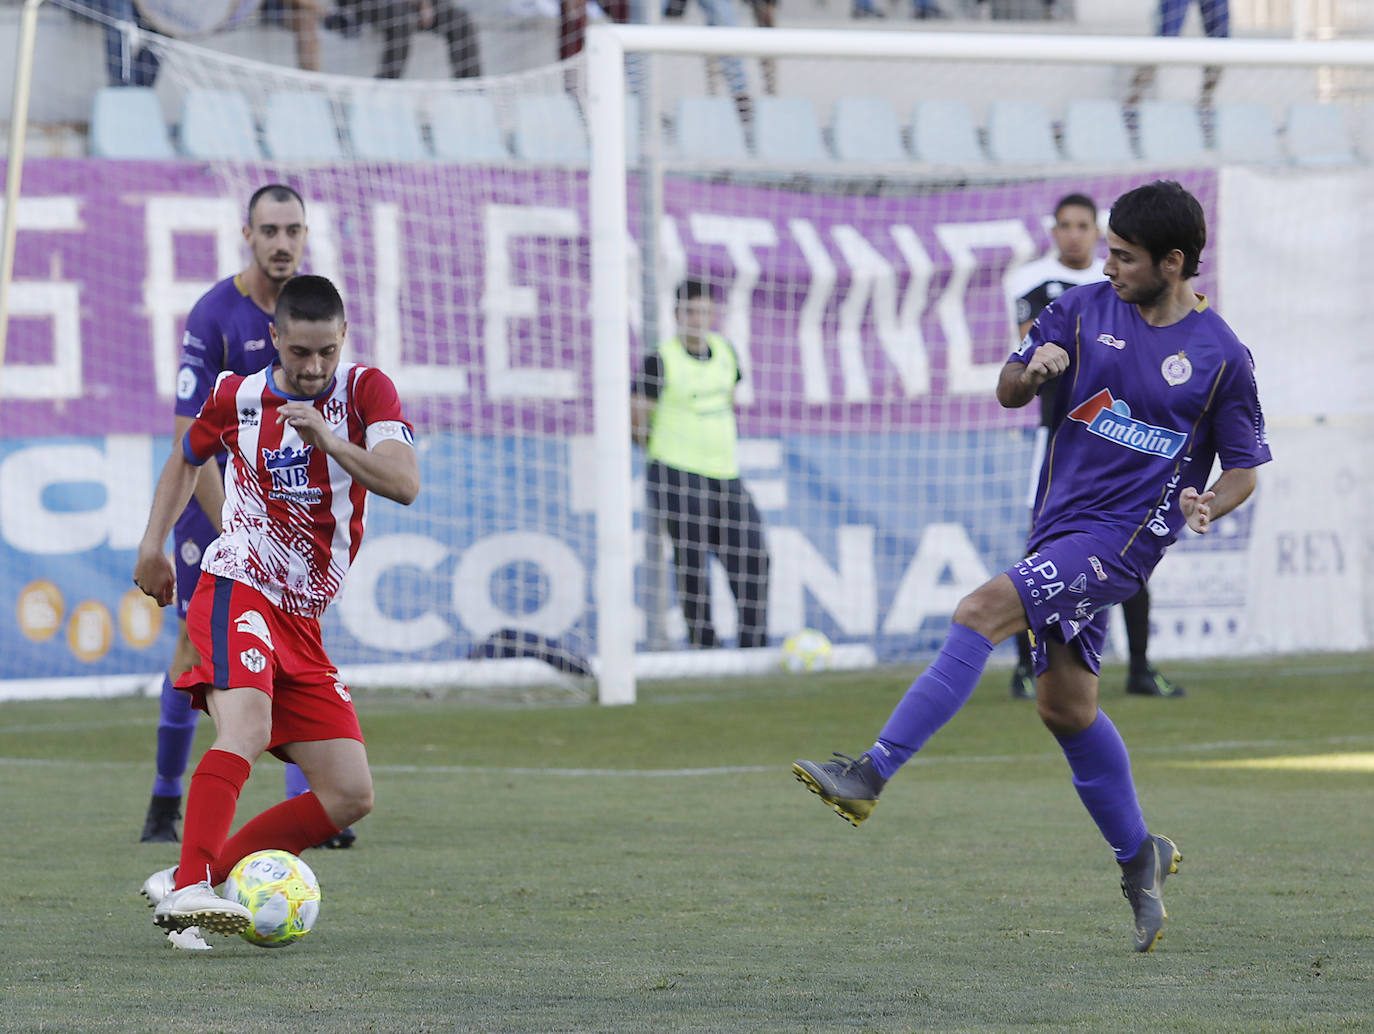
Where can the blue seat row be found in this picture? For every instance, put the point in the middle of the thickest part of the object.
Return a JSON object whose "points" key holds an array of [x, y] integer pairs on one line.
{"points": [[127, 122], [301, 126]]}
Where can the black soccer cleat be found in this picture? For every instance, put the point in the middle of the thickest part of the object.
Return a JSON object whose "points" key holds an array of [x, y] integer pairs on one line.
{"points": [[850, 787], [343, 839], [1022, 683], [160, 827], [1142, 884], [1147, 682]]}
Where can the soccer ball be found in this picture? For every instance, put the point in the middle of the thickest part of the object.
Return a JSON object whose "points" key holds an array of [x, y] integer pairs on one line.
{"points": [[807, 650], [282, 893]]}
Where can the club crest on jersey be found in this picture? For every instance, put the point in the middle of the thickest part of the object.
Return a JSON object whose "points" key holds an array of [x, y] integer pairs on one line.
{"points": [[1111, 342], [290, 470], [1176, 369], [334, 411], [1110, 418]]}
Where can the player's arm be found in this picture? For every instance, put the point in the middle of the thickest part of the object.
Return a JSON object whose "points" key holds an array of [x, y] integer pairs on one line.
{"points": [[1019, 382], [388, 469], [644, 397], [1227, 492], [209, 489], [153, 571]]}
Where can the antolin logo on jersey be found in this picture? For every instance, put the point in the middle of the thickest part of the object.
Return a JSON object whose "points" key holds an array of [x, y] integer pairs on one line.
{"points": [[290, 470], [1111, 419]]}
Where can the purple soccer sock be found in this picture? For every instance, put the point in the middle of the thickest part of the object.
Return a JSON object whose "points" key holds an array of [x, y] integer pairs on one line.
{"points": [[933, 699], [176, 730], [296, 783], [1102, 776]]}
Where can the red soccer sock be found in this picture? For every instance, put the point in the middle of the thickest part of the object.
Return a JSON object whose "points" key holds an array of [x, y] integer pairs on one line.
{"points": [[210, 805], [292, 825]]}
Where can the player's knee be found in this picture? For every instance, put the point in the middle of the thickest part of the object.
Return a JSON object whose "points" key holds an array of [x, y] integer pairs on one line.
{"points": [[346, 804], [1065, 717]]}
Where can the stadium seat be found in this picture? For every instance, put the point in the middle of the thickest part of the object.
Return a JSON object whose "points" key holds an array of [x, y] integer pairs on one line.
{"points": [[216, 124], [463, 128], [126, 122], [944, 132], [786, 131], [1317, 135], [299, 127], [709, 130], [383, 127], [549, 129], [1094, 133], [865, 129], [1019, 133], [1243, 131], [1170, 133]]}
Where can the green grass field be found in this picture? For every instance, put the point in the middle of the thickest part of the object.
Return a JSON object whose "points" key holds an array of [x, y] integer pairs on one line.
{"points": [[656, 869]]}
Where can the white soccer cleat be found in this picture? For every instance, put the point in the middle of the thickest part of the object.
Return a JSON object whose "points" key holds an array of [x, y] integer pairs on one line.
{"points": [[188, 939], [199, 905], [159, 885]]}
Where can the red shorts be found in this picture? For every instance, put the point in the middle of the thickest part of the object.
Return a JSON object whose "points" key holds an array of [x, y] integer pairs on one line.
{"points": [[244, 639]]}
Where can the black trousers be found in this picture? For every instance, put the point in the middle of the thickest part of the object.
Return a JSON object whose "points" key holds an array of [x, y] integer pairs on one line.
{"points": [[399, 20], [712, 515]]}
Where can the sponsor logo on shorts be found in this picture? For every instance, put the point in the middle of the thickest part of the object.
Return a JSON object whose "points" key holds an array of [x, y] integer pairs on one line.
{"points": [[252, 622], [1110, 418], [253, 659], [1098, 570], [190, 554], [342, 690]]}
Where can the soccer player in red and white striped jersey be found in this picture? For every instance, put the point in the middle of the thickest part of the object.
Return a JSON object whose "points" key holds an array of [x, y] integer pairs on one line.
{"points": [[308, 438]]}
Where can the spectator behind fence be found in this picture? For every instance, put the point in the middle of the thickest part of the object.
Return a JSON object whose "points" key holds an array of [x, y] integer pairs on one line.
{"points": [[303, 18], [399, 20], [127, 61], [717, 12], [1216, 23]]}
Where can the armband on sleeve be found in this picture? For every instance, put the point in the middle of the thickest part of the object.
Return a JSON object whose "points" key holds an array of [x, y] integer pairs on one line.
{"points": [[389, 431]]}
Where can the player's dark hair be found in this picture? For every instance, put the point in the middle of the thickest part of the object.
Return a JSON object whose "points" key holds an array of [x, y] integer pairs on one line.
{"points": [[1075, 201], [310, 298], [1160, 217], [692, 288], [273, 192]]}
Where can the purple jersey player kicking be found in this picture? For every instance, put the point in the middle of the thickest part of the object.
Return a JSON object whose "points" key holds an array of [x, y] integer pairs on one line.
{"points": [[227, 331], [1153, 386]]}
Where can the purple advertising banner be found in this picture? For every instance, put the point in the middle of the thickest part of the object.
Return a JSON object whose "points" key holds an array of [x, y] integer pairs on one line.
{"points": [[471, 287]]}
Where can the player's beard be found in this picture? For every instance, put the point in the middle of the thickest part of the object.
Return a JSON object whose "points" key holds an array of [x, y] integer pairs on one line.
{"points": [[1148, 294]]}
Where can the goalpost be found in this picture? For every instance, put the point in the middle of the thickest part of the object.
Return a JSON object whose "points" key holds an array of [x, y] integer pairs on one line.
{"points": [[513, 293]]}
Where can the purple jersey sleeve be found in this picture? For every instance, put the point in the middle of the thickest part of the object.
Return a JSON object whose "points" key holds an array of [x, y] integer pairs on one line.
{"points": [[1054, 324], [1238, 426], [202, 355]]}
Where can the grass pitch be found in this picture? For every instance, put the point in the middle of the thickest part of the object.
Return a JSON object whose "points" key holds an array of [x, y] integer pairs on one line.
{"points": [[656, 869]]}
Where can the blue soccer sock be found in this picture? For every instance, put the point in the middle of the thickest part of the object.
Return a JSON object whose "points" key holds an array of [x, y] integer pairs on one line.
{"points": [[1102, 776], [933, 699], [176, 730], [296, 783]]}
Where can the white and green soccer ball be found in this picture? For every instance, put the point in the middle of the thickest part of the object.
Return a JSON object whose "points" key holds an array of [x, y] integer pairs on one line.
{"points": [[807, 650], [282, 893]]}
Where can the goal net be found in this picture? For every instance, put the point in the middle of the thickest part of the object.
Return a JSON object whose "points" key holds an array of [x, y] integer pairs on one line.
{"points": [[514, 272]]}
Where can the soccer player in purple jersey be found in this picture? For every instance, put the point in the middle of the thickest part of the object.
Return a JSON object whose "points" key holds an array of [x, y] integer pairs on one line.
{"points": [[228, 329], [1153, 386]]}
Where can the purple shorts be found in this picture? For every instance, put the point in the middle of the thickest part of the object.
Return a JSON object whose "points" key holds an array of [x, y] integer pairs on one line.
{"points": [[1066, 587], [190, 538]]}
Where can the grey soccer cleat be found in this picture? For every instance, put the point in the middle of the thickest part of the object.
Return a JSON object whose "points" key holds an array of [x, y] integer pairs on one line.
{"points": [[198, 905], [1142, 884], [159, 885], [850, 787]]}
